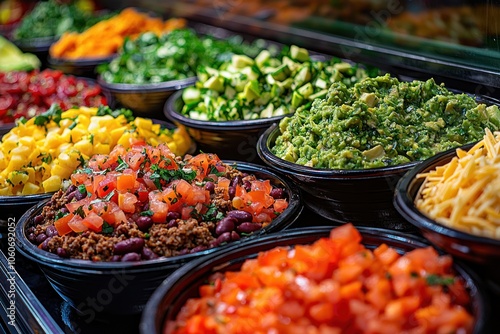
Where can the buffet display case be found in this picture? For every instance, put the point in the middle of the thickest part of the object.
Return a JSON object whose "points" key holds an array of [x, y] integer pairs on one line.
{"points": [[454, 42]]}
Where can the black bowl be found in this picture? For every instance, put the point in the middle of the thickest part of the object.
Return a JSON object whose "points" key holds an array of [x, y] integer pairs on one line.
{"points": [[228, 139], [183, 284], [121, 287], [474, 248], [144, 99], [363, 197], [85, 67]]}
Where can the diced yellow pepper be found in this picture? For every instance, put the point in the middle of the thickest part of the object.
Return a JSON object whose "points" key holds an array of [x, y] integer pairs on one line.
{"points": [[18, 177], [30, 189], [53, 183]]}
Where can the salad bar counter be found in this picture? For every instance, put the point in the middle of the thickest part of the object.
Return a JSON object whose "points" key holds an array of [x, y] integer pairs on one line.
{"points": [[162, 175]]}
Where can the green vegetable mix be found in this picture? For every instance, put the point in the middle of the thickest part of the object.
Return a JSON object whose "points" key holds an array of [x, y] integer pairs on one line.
{"points": [[265, 86], [382, 122], [173, 56], [52, 18]]}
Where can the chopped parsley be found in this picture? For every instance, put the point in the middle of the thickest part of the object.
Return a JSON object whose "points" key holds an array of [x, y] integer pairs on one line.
{"points": [[53, 114], [105, 110], [167, 175], [60, 214], [82, 189], [107, 229], [79, 211], [122, 165], [147, 213]]}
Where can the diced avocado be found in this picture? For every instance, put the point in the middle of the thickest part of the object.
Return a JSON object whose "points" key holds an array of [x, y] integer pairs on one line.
{"points": [[226, 74], [287, 83], [342, 67], [303, 76], [276, 90], [493, 114], [191, 95], [215, 83], [251, 75], [281, 73], [281, 110], [268, 111], [240, 61], [270, 80], [369, 98], [374, 153], [262, 57], [306, 90], [297, 99], [251, 91], [319, 95], [299, 54], [290, 63], [211, 71], [336, 75], [263, 99], [320, 83], [230, 92]]}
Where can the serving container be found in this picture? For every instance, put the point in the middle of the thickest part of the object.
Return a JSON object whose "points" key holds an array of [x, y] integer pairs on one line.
{"points": [[235, 140], [473, 248], [183, 284], [363, 197], [146, 100], [124, 287], [85, 67]]}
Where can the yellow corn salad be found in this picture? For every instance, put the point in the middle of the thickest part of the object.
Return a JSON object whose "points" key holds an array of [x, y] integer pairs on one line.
{"points": [[37, 159]]}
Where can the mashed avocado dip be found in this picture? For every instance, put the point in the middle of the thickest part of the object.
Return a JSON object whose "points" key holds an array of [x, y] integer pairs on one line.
{"points": [[382, 122]]}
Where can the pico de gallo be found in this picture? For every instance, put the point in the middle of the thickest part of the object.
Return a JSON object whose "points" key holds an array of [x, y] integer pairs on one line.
{"points": [[335, 285], [145, 202]]}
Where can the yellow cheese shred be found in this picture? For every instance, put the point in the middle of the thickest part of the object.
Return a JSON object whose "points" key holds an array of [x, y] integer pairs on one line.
{"points": [[465, 193]]}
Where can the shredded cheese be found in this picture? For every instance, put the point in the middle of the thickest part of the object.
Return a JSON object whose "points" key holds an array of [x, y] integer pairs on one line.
{"points": [[465, 193]]}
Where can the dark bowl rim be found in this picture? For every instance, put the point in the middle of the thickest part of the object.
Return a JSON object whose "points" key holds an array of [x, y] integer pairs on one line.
{"points": [[23, 199], [147, 323], [89, 61], [404, 203], [171, 85], [288, 167], [238, 125], [35, 42], [42, 257]]}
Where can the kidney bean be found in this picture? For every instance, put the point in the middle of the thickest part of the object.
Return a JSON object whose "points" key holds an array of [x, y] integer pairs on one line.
{"points": [[131, 257], [173, 215], [45, 244], [231, 191], [214, 243], [62, 252], [64, 210], [148, 254], [70, 189], [172, 223], [51, 231], [198, 249], [145, 207], [224, 238], [79, 196], [71, 195], [210, 186], [240, 216], [225, 225], [30, 230], [41, 238], [144, 223], [184, 251], [276, 193], [247, 185], [32, 237], [128, 246], [116, 258], [235, 181], [38, 219], [248, 227], [235, 236]]}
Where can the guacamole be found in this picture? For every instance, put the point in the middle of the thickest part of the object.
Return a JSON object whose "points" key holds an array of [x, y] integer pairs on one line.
{"points": [[382, 122]]}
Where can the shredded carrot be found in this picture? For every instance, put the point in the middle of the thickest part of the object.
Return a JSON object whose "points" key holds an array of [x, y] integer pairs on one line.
{"points": [[106, 37]]}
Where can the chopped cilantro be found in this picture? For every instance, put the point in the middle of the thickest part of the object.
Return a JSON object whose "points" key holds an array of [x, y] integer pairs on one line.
{"points": [[60, 214], [433, 279], [214, 170], [105, 110], [54, 113], [122, 165], [79, 211], [107, 229], [108, 197], [91, 138], [167, 175], [147, 213], [82, 189]]}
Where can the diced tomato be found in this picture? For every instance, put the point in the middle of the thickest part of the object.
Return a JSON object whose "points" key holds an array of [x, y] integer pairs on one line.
{"points": [[77, 225], [127, 201], [62, 226], [105, 187], [280, 205], [93, 222], [79, 178], [170, 197], [135, 159], [125, 182], [186, 212], [159, 208]]}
